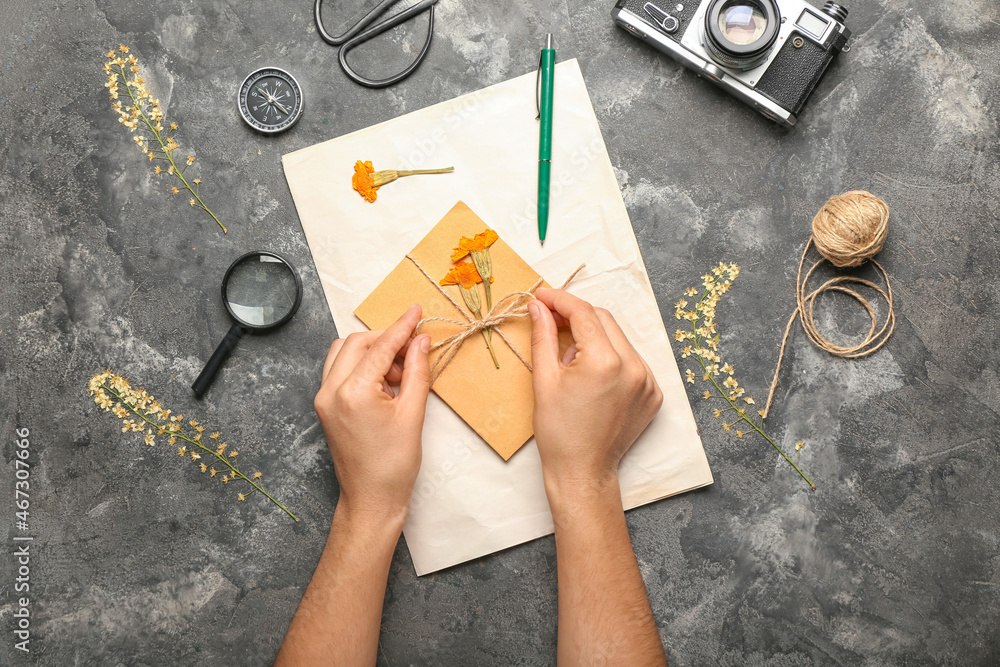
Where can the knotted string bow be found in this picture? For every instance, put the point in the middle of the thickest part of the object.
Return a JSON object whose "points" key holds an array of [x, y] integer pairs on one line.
{"points": [[510, 307]]}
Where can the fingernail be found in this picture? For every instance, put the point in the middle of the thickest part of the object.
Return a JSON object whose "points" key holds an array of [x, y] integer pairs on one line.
{"points": [[416, 305], [425, 343], [533, 310]]}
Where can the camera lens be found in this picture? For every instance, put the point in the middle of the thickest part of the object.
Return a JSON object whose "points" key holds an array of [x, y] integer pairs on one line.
{"points": [[740, 33], [742, 24]]}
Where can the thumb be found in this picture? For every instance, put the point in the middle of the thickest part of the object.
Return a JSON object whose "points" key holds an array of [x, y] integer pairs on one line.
{"points": [[416, 381], [544, 339]]}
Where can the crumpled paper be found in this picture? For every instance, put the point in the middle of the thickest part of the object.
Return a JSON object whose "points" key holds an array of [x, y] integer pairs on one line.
{"points": [[468, 502]]}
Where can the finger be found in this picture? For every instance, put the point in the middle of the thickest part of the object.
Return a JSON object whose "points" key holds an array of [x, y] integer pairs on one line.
{"points": [[416, 382], [395, 374], [622, 344], [544, 339], [377, 361], [331, 356], [569, 355], [615, 334], [351, 352], [583, 321], [650, 378]]}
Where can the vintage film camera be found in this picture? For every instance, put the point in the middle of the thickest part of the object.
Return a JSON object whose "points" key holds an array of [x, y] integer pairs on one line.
{"points": [[768, 53]]}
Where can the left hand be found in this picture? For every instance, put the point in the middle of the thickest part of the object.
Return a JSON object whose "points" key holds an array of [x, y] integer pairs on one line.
{"points": [[374, 435]]}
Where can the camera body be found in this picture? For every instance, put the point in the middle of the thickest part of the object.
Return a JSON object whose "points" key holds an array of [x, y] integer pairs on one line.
{"points": [[768, 53]]}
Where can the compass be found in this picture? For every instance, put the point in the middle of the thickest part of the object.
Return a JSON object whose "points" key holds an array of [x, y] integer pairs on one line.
{"points": [[270, 100]]}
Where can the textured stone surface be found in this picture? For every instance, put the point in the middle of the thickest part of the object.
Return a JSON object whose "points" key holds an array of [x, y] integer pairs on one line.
{"points": [[136, 560]]}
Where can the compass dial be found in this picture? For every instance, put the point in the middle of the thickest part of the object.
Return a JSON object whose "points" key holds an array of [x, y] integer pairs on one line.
{"points": [[270, 100]]}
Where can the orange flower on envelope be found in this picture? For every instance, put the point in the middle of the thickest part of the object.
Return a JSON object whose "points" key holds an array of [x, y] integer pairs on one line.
{"points": [[499, 404]]}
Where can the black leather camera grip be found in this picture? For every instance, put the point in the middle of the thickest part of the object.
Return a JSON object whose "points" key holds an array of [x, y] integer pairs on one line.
{"points": [[794, 72]]}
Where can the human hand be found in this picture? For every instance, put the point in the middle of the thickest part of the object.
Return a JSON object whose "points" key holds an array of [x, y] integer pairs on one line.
{"points": [[374, 435], [591, 404]]}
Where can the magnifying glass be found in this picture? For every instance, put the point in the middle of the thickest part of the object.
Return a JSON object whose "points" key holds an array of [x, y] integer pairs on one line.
{"points": [[261, 291]]}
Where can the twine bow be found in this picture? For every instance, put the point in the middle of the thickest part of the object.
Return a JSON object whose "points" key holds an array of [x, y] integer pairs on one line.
{"points": [[510, 307]]}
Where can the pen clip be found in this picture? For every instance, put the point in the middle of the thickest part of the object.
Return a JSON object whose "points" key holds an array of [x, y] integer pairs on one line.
{"points": [[538, 89], [538, 76]]}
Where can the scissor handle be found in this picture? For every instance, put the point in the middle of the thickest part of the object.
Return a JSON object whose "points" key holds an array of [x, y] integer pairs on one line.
{"points": [[354, 29], [378, 29]]}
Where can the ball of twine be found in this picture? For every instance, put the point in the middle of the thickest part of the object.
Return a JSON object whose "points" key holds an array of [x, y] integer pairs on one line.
{"points": [[850, 229]]}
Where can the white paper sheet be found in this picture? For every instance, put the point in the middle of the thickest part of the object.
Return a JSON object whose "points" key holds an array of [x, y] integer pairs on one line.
{"points": [[467, 501]]}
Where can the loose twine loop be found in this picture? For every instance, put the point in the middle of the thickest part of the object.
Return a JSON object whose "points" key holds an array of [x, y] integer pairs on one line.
{"points": [[849, 229], [510, 307]]}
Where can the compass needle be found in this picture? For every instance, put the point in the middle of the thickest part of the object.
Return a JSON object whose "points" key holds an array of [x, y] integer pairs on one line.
{"points": [[277, 100]]}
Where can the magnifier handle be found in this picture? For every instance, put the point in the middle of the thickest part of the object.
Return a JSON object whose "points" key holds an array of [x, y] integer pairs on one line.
{"points": [[219, 357]]}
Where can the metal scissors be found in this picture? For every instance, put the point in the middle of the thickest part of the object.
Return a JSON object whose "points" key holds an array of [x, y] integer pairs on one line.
{"points": [[357, 34]]}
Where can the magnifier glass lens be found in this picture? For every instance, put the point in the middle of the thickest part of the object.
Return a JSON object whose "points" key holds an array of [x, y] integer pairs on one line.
{"points": [[261, 290]]}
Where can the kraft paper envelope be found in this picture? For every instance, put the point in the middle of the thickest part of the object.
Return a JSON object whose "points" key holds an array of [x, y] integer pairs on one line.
{"points": [[496, 402], [469, 502]]}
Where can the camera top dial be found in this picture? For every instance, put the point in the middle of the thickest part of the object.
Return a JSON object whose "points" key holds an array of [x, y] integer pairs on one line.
{"points": [[740, 33]]}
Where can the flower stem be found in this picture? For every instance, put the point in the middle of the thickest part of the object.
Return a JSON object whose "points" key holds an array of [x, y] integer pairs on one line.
{"points": [[471, 297], [489, 309], [489, 346], [413, 172], [179, 434], [780, 451], [733, 406], [177, 172]]}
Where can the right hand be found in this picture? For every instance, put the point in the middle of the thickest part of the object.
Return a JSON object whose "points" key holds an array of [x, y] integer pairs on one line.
{"points": [[591, 404]]}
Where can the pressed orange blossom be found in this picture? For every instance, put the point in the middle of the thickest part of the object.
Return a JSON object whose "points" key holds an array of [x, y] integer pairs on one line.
{"points": [[478, 243], [464, 275], [367, 181], [479, 248], [362, 180]]}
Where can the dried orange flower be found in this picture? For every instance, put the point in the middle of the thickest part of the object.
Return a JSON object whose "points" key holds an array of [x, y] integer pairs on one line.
{"points": [[478, 247], [362, 180], [479, 242], [464, 274], [366, 180]]}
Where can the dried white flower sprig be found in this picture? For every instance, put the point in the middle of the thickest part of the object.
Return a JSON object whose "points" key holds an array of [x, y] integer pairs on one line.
{"points": [[141, 413], [703, 347], [144, 113]]}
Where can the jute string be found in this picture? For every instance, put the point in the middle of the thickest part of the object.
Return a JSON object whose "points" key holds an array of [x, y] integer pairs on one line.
{"points": [[509, 307], [850, 229]]}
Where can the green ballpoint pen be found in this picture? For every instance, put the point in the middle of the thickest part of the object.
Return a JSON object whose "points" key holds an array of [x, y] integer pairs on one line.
{"points": [[543, 99]]}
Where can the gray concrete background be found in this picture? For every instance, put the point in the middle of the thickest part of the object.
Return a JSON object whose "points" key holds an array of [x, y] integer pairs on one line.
{"points": [[136, 560]]}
